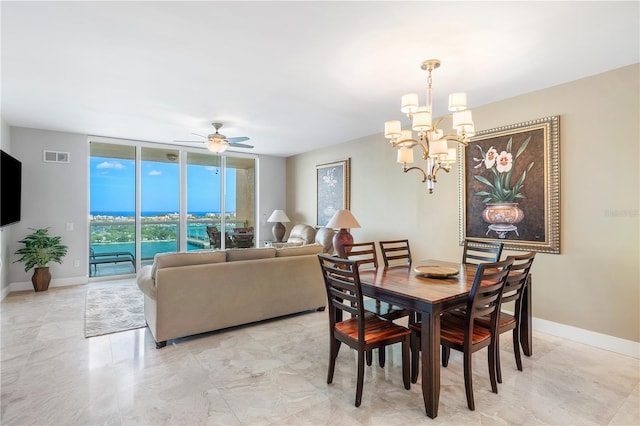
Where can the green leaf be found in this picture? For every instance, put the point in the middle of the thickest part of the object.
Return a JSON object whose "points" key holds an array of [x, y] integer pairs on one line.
{"points": [[523, 147], [483, 180]]}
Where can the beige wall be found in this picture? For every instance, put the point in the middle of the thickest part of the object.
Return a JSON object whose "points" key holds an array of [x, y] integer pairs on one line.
{"points": [[594, 283]]}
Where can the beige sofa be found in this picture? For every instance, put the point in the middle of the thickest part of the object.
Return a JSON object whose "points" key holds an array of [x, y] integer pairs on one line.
{"points": [[196, 292], [306, 234]]}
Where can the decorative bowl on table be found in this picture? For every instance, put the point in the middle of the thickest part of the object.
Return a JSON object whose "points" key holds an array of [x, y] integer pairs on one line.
{"points": [[436, 271]]}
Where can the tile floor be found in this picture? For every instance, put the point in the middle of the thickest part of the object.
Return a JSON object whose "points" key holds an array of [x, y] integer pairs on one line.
{"points": [[274, 373]]}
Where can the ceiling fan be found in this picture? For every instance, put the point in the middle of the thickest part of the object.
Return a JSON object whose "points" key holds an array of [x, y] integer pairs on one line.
{"points": [[217, 142]]}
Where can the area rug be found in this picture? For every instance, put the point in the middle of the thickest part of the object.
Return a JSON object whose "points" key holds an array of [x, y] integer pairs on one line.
{"points": [[112, 309]]}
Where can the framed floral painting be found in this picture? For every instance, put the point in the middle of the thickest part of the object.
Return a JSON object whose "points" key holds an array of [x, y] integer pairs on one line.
{"points": [[332, 189], [510, 186]]}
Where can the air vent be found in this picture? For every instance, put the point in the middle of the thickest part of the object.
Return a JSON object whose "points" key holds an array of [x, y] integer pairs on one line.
{"points": [[56, 157]]}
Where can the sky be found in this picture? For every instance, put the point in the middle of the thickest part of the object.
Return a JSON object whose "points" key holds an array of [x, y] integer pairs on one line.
{"points": [[112, 185]]}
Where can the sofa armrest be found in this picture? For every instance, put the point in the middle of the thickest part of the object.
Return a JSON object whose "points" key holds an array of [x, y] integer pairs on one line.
{"points": [[146, 283]]}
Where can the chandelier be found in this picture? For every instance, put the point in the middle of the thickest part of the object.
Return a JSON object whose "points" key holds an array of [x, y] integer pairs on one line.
{"points": [[431, 139]]}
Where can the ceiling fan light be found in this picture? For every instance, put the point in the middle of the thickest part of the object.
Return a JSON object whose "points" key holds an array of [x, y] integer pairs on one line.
{"points": [[217, 146]]}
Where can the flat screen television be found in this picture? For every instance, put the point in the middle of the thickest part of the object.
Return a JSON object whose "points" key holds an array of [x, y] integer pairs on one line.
{"points": [[10, 189]]}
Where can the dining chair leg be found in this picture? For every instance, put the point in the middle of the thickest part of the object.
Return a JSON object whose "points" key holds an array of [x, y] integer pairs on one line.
{"points": [[493, 364], [361, 356], [415, 356], [334, 348], [382, 356], [468, 381], [516, 348], [369, 357], [445, 356], [498, 368], [405, 364]]}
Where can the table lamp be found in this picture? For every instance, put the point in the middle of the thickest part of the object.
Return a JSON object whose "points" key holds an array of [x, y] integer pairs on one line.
{"points": [[278, 229], [342, 219]]}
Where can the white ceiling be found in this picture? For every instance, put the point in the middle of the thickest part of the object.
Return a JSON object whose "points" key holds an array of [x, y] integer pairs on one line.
{"points": [[292, 76]]}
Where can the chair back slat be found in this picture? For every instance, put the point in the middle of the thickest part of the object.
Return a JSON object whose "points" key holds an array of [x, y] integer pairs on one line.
{"points": [[486, 292], [344, 294], [476, 252], [364, 254], [517, 279], [395, 252]]}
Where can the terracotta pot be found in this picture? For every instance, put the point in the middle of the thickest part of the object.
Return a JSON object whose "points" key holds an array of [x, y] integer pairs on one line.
{"points": [[41, 279], [503, 214]]}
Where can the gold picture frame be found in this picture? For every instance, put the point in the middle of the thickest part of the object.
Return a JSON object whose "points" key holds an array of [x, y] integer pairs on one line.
{"points": [[509, 186], [332, 189]]}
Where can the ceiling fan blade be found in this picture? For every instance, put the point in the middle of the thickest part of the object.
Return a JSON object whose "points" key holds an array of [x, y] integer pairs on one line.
{"points": [[238, 139], [193, 142], [202, 136], [240, 145]]}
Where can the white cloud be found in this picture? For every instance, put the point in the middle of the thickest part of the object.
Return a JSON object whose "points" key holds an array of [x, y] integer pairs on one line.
{"points": [[110, 165], [155, 173]]}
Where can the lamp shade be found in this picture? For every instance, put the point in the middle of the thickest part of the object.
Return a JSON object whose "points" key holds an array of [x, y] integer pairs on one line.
{"points": [[392, 129], [343, 219], [409, 103], [457, 102], [278, 216], [405, 155]]}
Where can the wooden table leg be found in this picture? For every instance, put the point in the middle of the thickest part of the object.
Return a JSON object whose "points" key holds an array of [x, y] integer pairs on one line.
{"points": [[430, 342], [526, 331]]}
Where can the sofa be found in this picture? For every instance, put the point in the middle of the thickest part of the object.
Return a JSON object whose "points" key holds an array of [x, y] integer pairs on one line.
{"points": [[202, 291], [306, 234]]}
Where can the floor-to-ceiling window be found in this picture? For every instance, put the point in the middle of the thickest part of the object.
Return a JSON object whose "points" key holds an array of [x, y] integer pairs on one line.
{"points": [[112, 198], [159, 202], [186, 200]]}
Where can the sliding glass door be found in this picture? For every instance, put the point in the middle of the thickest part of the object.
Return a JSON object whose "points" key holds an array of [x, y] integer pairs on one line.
{"points": [[159, 202], [146, 200], [112, 198]]}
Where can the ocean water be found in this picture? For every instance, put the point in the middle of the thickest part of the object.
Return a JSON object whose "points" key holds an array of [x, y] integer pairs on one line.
{"points": [[147, 213], [148, 248]]}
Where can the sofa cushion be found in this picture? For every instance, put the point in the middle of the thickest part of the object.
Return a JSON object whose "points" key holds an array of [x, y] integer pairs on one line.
{"points": [[299, 251], [250, 253], [324, 236], [169, 260], [302, 233]]}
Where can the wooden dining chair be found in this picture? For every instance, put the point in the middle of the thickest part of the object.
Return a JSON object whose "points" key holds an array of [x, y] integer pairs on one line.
{"points": [[513, 289], [395, 252], [463, 333], [365, 256], [359, 329], [476, 251]]}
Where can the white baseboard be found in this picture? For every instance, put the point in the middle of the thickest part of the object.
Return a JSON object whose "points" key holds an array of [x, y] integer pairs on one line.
{"points": [[64, 282], [591, 338]]}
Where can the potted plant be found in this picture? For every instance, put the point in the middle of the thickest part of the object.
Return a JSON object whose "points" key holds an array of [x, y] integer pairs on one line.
{"points": [[39, 249]]}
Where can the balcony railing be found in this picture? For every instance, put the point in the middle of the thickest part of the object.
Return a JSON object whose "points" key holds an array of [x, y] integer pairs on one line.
{"points": [[158, 235]]}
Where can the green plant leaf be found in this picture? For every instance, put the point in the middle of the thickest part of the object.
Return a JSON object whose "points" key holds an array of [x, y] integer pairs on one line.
{"points": [[483, 180], [522, 147]]}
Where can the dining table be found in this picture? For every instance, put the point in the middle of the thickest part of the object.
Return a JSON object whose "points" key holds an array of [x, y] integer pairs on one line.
{"points": [[430, 296]]}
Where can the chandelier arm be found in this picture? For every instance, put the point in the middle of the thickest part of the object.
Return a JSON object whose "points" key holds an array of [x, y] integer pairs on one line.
{"points": [[437, 168], [441, 119], [424, 174], [425, 148], [456, 138], [398, 143]]}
